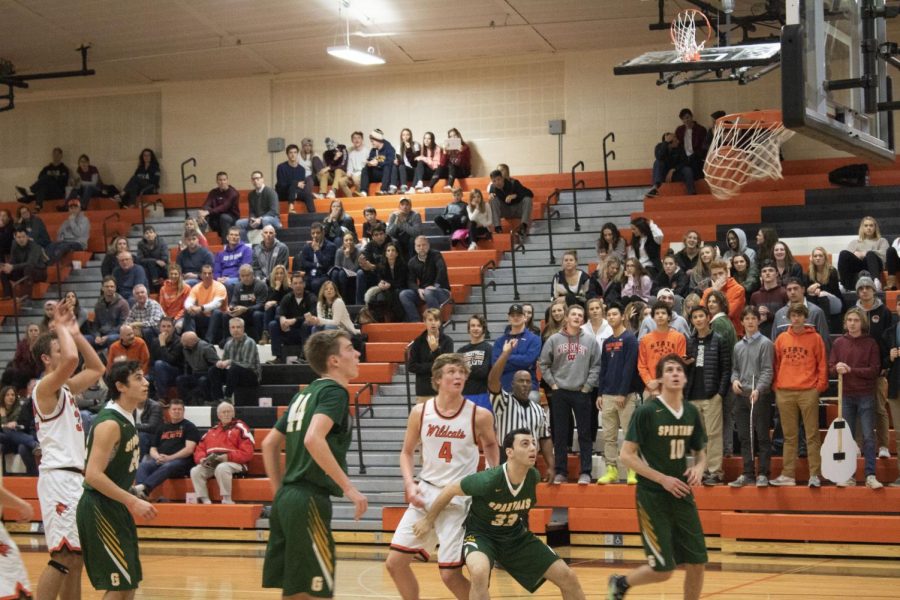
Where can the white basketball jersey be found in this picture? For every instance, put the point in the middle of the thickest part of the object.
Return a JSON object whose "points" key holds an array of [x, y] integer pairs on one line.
{"points": [[449, 450], [60, 433]]}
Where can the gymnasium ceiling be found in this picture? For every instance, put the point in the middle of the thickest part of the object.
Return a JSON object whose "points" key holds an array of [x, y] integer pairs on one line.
{"points": [[147, 41]]}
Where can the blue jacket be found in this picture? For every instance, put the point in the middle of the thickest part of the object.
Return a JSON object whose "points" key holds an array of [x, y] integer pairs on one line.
{"points": [[229, 261], [317, 264], [618, 366], [193, 263], [385, 156], [126, 280], [286, 176], [523, 357]]}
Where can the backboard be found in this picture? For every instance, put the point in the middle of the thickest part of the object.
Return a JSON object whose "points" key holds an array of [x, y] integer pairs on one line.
{"points": [[831, 86]]}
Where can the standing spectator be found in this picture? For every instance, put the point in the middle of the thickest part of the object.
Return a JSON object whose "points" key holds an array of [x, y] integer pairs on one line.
{"points": [[554, 322], [72, 235], [316, 258], [427, 346], [692, 137], [709, 360], [173, 294], [670, 163], [637, 284], [279, 285], [378, 164], [343, 273], [192, 259], [335, 171], [646, 240], [223, 452], [372, 256], [744, 272], [338, 223], [86, 183], [129, 347], [822, 283], [404, 226], [571, 282], [801, 374], [51, 182], [891, 359], [751, 381], [454, 217], [331, 311], [171, 454], [478, 358], [866, 253], [718, 308], [239, 365], [427, 164], [677, 322], [230, 259], [269, 254], [290, 321], [510, 200], [246, 299], [672, 277], [769, 298], [766, 238], [657, 344], [26, 259], [405, 162], [459, 159], [356, 161], [110, 313], [610, 243], [128, 275], [153, 255], [13, 437], [619, 390], [221, 210], [291, 181], [263, 207], [570, 364], [33, 225], [428, 283], [736, 243], [525, 353], [701, 278], [785, 264], [690, 251], [736, 296], [145, 313], [199, 357], [598, 327], [796, 294], [145, 179], [206, 298], [392, 275], [481, 218], [166, 357], [148, 420]]}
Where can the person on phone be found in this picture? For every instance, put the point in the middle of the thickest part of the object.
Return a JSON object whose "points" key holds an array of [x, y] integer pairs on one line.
{"points": [[459, 159]]}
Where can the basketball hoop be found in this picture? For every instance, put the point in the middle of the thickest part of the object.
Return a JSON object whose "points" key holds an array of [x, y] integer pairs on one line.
{"points": [[684, 34], [745, 147]]}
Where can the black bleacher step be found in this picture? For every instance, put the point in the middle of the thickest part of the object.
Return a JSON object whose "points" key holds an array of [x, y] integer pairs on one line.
{"points": [[847, 196], [281, 395], [884, 210], [287, 374], [255, 417]]}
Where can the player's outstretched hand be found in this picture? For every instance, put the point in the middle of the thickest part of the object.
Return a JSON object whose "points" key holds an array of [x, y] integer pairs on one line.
{"points": [[142, 509], [422, 527], [676, 487], [694, 475], [360, 503]]}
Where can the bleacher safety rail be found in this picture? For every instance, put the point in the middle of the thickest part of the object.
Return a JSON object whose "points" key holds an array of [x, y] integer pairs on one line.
{"points": [[580, 163], [551, 214], [607, 154], [518, 243], [488, 266], [15, 301], [184, 180], [107, 239], [144, 205], [358, 418]]}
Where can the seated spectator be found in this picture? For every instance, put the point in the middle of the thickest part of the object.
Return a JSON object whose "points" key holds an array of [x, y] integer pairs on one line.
{"points": [[86, 183], [606, 281], [692, 137], [371, 220], [428, 164], [671, 164], [343, 273], [822, 283], [428, 283], [404, 164], [677, 322], [278, 286], [510, 200], [766, 238], [128, 275], [769, 298], [392, 275], [173, 294], [33, 226], [111, 257], [171, 453], [263, 209], [153, 255], [478, 354], [223, 452], [269, 254], [239, 365], [785, 264], [316, 258], [81, 316], [610, 243], [7, 232], [338, 223], [110, 313], [427, 346], [312, 163], [14, 439], [192, 259], [289, 326], [356, 160], [199, 357], [191, 226], [145, 313], [454, 216], [145, 179], [736, 243], [335, 172], [637, 284], [331, 311], [49, 307], [525, 353], [148, 420], [701, 278], [23, 367], [646, 240], [221, 210], [481, 219], [744, 272], [458, 163], [672, 277], [404, 225], [72, 235], [26, 259], [291, 181], [722, 281], [51, 182], [128, 347], [166, 358], [205, 300], [378, 164], [866, 253], [689, 254], [230, 259], [371, 257], [891, 264], [571, 282], [247, 298]]}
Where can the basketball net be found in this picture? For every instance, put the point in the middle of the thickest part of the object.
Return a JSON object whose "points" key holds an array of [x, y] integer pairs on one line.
{"points": [[745, 147], [684, 34]]}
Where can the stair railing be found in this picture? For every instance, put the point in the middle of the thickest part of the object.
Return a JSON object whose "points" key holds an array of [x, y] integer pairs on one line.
{"points": [[518, 244], [607, 154], [371, 388], [488, 266], [580, 163], [551, 214], [107, 238], [15, 301], [143, 206], [406, 352], [184, 180]]}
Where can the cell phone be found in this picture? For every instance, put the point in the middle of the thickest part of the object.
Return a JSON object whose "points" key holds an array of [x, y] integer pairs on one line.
{"points": [[453, 143]]}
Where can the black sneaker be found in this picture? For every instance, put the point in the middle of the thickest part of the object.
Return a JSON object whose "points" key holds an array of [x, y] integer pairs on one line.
{"points": [[617, 587], [712, 480], [653, 193]]}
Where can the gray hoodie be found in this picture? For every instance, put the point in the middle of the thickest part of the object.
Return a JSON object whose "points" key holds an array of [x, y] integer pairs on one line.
{"points": [[76, 228], [750, 253], [753, 363], [571, 362]]}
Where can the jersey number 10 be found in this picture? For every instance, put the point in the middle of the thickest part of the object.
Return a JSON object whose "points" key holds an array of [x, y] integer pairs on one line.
{"points": [[676, 449]]}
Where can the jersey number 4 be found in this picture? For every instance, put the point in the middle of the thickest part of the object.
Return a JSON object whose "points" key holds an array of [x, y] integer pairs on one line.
{"points": [[295, 416], [446, 452]]}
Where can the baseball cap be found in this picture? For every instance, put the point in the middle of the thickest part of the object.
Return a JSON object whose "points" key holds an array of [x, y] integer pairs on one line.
{"points": [[665, 292], [516, 308]]}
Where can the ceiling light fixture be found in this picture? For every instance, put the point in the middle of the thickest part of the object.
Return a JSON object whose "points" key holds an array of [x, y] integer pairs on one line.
{"points": [[345, 51]]}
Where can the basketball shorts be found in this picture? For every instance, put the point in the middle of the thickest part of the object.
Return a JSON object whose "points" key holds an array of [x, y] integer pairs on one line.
{"points": [[670, 530], [59, 492], [300, 554], [524, 556], [448, 533], [13, 576], [109, 543]]}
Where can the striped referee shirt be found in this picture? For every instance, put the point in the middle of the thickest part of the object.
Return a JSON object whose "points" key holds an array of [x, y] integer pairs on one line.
{"points": [[510, 414]]}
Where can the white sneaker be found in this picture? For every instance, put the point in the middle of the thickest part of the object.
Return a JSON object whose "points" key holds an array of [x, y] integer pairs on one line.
{"points": [[814, 481], [318, 196], [872, 483], [419, 185], [447, 188], [364, 194], [412, 190], [426, 190], [331, 195], [584, 479], [849, 483], [404, 189], [559, 479], [883, 452], [392, 189], [473, 246], [782, 481]]}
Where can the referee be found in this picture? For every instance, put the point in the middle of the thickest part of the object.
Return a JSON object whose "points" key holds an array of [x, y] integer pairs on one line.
{"points": [[513, 410]]}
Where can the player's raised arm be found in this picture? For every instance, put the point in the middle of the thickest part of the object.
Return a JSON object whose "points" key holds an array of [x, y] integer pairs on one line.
{"points": [[318, 448], [484, 429], [93, 368], [53, 379], [423, 526], [407, 458], [628, 456], [105, 436]]}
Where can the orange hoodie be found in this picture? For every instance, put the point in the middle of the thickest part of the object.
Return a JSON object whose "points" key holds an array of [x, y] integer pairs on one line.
{"points": [[654, 346], [737, 298], [800, 361]]}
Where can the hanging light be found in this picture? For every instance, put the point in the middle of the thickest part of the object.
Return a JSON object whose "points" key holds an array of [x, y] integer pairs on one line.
{"points": [[345, 51]]}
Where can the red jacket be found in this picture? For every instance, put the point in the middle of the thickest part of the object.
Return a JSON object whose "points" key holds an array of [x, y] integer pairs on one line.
{"points": [[235, 439]]}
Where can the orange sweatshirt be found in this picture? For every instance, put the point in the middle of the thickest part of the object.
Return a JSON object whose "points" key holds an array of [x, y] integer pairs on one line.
{"points": [[172, 299], [737, 298], [654, 346], [800, 361], [136, 351]]}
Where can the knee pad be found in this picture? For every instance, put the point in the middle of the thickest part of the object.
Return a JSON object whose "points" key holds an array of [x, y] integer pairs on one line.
{"points": [[58, 566]]}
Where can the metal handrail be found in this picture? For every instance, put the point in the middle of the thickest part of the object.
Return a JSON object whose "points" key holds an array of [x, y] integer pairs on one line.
{"points": [[371, 388], [15, 301], [488, 266], [143, 207], [406, 352], [551, 213], [518, 243], [184, 180], [107, 239], [580, 163], [606, 154]]}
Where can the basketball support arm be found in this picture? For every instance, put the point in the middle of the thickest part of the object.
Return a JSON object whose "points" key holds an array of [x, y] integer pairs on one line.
{"points": [[13, 81]]}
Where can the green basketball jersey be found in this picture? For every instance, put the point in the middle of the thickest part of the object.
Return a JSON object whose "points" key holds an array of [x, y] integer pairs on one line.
{"points": [[126, 453], [498, 508], [664, 439], [322, 396]]}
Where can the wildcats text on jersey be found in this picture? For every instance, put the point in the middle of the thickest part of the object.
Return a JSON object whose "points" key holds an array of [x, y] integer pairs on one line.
{"points": [[445, 431]]}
